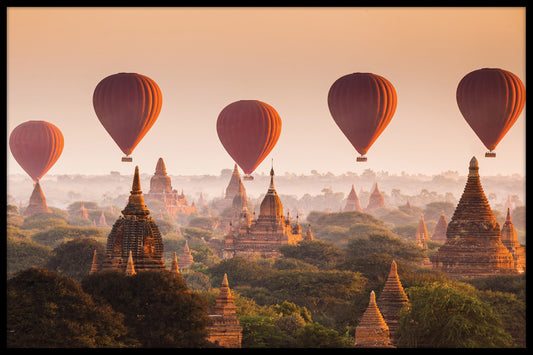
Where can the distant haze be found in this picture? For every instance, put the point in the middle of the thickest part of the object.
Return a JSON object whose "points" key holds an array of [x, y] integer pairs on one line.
{"points": [[206, 58]]}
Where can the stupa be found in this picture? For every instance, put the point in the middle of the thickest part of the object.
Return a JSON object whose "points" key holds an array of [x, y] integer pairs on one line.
{"points": [[37, 202], [372, 330], [235, 183], [309, 234], [421, 235], [391, 300], [376, 200], [161, 190], [82, 212], [439, 233], [352, 202], [473, 246], [102, 221], [224, 328], [135, 233], [510, 240], [185, 260], [263, 236]]}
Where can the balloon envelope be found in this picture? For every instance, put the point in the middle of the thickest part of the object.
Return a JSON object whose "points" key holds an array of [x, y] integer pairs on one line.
{"points": [[127, 105], [248, 130], [362, 105], [36, 146], [491, 100]]}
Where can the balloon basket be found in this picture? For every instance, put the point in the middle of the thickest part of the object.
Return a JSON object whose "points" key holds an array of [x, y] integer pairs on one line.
{"points": [[490, 155], [127, 159], [248, 177], [361, 159]]}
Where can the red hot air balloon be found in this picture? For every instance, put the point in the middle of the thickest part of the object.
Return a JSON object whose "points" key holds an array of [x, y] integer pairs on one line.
{"points": [[127, 105], [362, 105], [491, 100], [248, 130], [36, 146]]}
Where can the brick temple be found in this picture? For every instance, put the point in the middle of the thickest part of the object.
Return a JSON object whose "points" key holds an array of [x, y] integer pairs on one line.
{"points": [[473, 246], [372, 330], [263, 236], [161, 190], [439, 233], [510, 240], [352, 202], [37, 202], [135, 232], [376, 200]]}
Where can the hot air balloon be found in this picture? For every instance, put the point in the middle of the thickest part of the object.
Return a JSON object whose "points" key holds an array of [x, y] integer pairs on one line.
{"points": [[36, 146], [248, 130], [491, 100], [127, 105], [362, 105]]}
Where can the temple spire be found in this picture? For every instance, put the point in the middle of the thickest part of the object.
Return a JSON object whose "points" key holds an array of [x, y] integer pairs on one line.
{"points": [[130, 268], [174, 267], [372, 330], [94, 266], [136, 204]]}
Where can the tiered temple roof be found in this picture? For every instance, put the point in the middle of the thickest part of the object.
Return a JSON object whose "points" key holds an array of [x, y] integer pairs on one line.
{"points": [[510, 240], [391, 300], [185, 260], [473, 246], [224, 329], [439, 233], [135, 233], [372, 330], [376, 200], [352, 202], [161, 190], [263, 236], [37, 202]]}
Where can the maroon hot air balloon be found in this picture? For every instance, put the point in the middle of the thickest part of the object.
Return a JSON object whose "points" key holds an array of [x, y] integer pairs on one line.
{"points": [[491, 100], [36, 146], [362, 105], [248, 130], [127, 105]]}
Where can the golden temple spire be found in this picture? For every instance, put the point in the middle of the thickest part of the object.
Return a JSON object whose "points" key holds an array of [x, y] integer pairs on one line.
{"points": [[136, 204], [174, 267], [94, 266], [130, 268]]}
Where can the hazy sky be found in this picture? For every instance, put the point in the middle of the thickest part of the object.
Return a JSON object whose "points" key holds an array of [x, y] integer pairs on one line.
{"points": [[206, 58]]}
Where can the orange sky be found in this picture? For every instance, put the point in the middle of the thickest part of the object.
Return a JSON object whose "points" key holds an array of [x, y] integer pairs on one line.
{"points": [[206, 58]]}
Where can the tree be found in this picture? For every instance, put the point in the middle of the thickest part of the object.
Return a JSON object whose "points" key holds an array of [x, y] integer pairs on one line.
{"points": [[74, 258], [157, 306], [46, 310], [22, 254], [324, 255], [315, 335], [54, 236], [450, 315]]}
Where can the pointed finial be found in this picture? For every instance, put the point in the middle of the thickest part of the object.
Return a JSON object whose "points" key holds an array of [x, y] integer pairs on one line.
{"points": [[130, 268], [136, 186], [174, 267], [94, 266], [372, 298], [473, 167], [225, 280], [508, 219]]}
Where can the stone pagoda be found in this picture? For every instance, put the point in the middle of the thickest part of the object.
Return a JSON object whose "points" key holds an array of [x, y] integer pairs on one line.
{"points": [[161, 190], [309, 234], [239, 206], [82, 212], [421, 235], [37, 202], [376, 200], [235, 183], [224, 328], [263, 236], [473, 246], [391, 300], [372, 330], [510, 240], [135, 233], [439, 233], [185, 260], [352, 202]]}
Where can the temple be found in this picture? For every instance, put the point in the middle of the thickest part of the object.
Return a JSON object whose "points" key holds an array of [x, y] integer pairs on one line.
{"points": [[510, 240], [161, 190], [421, 235], [224, 329], [376, 200], [185, 260], [235, 183], [263, 236], [391, 300], [134, 235], [473, 246], [352, 202], [37, 202], [372, 330], [82, 212], [439, 233]]}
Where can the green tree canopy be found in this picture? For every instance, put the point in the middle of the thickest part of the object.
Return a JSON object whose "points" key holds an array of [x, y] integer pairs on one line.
{"points": [[324, 255], [157, 306], [22, 254], [46, 310], [74, 258], [57, 235], [450, 315]]}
